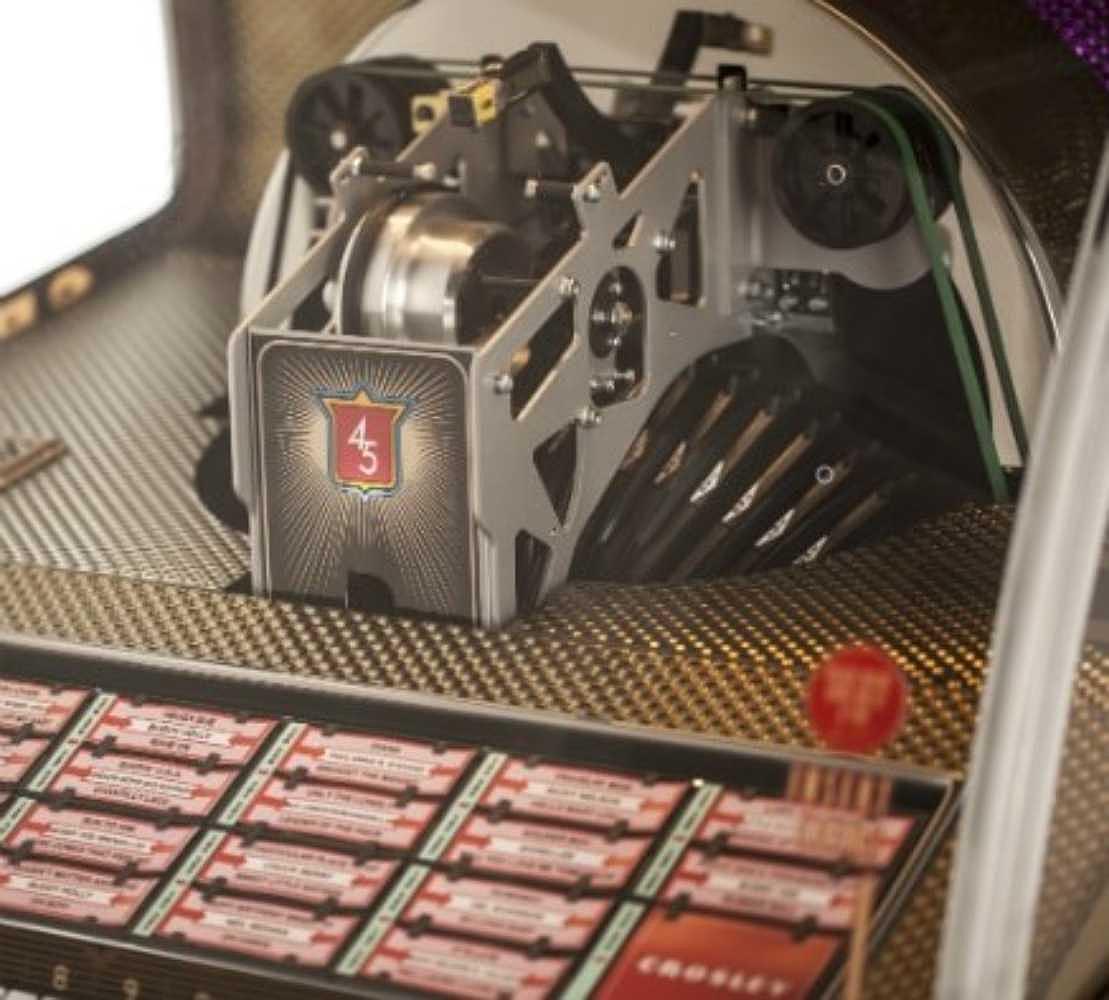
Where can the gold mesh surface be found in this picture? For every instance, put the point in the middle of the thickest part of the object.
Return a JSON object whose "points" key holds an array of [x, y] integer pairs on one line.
{"points": [[726, 657]]}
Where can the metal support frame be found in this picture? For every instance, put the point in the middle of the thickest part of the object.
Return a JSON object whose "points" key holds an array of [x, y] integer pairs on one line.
{"points": [[508, 495]]}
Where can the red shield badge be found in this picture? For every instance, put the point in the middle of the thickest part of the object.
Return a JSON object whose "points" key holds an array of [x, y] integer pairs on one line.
{"points": [[363, 442]]}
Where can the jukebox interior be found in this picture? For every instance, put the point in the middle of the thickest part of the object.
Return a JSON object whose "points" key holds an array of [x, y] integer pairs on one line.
{"points": [[709, 332], [348, 585]]}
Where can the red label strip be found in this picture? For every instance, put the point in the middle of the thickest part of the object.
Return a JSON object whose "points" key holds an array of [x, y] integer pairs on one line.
{"points": [[262, 930], [345, 814], [98, 839], [17, 757], [795, 829], [507, 912], [376, 762], [762, 889], [36, 705], [181, 732], [69, 894], [142, 783], [301, 874], [546, 853], [462, 968], [582, 795]]}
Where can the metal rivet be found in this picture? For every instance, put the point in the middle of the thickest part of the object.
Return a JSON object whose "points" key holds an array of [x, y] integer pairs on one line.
{"points": [[568, 286]]}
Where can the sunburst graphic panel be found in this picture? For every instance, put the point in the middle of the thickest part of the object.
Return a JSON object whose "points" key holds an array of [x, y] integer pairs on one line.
{"points": [[411, 529]]}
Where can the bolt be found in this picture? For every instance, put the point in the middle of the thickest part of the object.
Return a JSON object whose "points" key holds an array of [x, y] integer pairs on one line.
{"points": [[758, 38], [592, 193], [622, 316], [346, 170], [835, 174], [502, 384], [568, 287], [664, 242], [602, 383], [589, 417], [825, 474]]}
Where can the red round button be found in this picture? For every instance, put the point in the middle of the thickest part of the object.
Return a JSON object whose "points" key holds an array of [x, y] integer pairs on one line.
{"points": [[856, 699]]}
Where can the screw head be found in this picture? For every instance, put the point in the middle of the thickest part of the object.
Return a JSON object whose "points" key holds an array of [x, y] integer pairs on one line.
{"points": [[602, 383], [592, 193], [502, 384], [589, 417], [568, 287]]}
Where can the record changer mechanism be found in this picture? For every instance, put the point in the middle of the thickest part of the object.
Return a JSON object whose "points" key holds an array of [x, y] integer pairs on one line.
{"points": [[537, 340]]}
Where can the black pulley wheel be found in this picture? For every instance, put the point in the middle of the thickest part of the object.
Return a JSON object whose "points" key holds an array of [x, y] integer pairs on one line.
{"points": [[352, 105], [839, 176]]}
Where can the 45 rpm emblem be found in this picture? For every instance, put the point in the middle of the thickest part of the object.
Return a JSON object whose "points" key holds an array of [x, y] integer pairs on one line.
{"points": [[364, 441]]}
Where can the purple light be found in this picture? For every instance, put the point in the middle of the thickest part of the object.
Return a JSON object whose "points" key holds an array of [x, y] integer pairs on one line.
{"points": [[1084, 26]]}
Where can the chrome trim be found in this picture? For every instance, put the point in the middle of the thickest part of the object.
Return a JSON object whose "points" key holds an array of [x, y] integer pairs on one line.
{"points": [[1049, 579]]}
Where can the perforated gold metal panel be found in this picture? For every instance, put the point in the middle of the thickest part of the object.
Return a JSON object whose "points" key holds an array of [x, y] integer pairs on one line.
{"points": [[727, 657]]}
